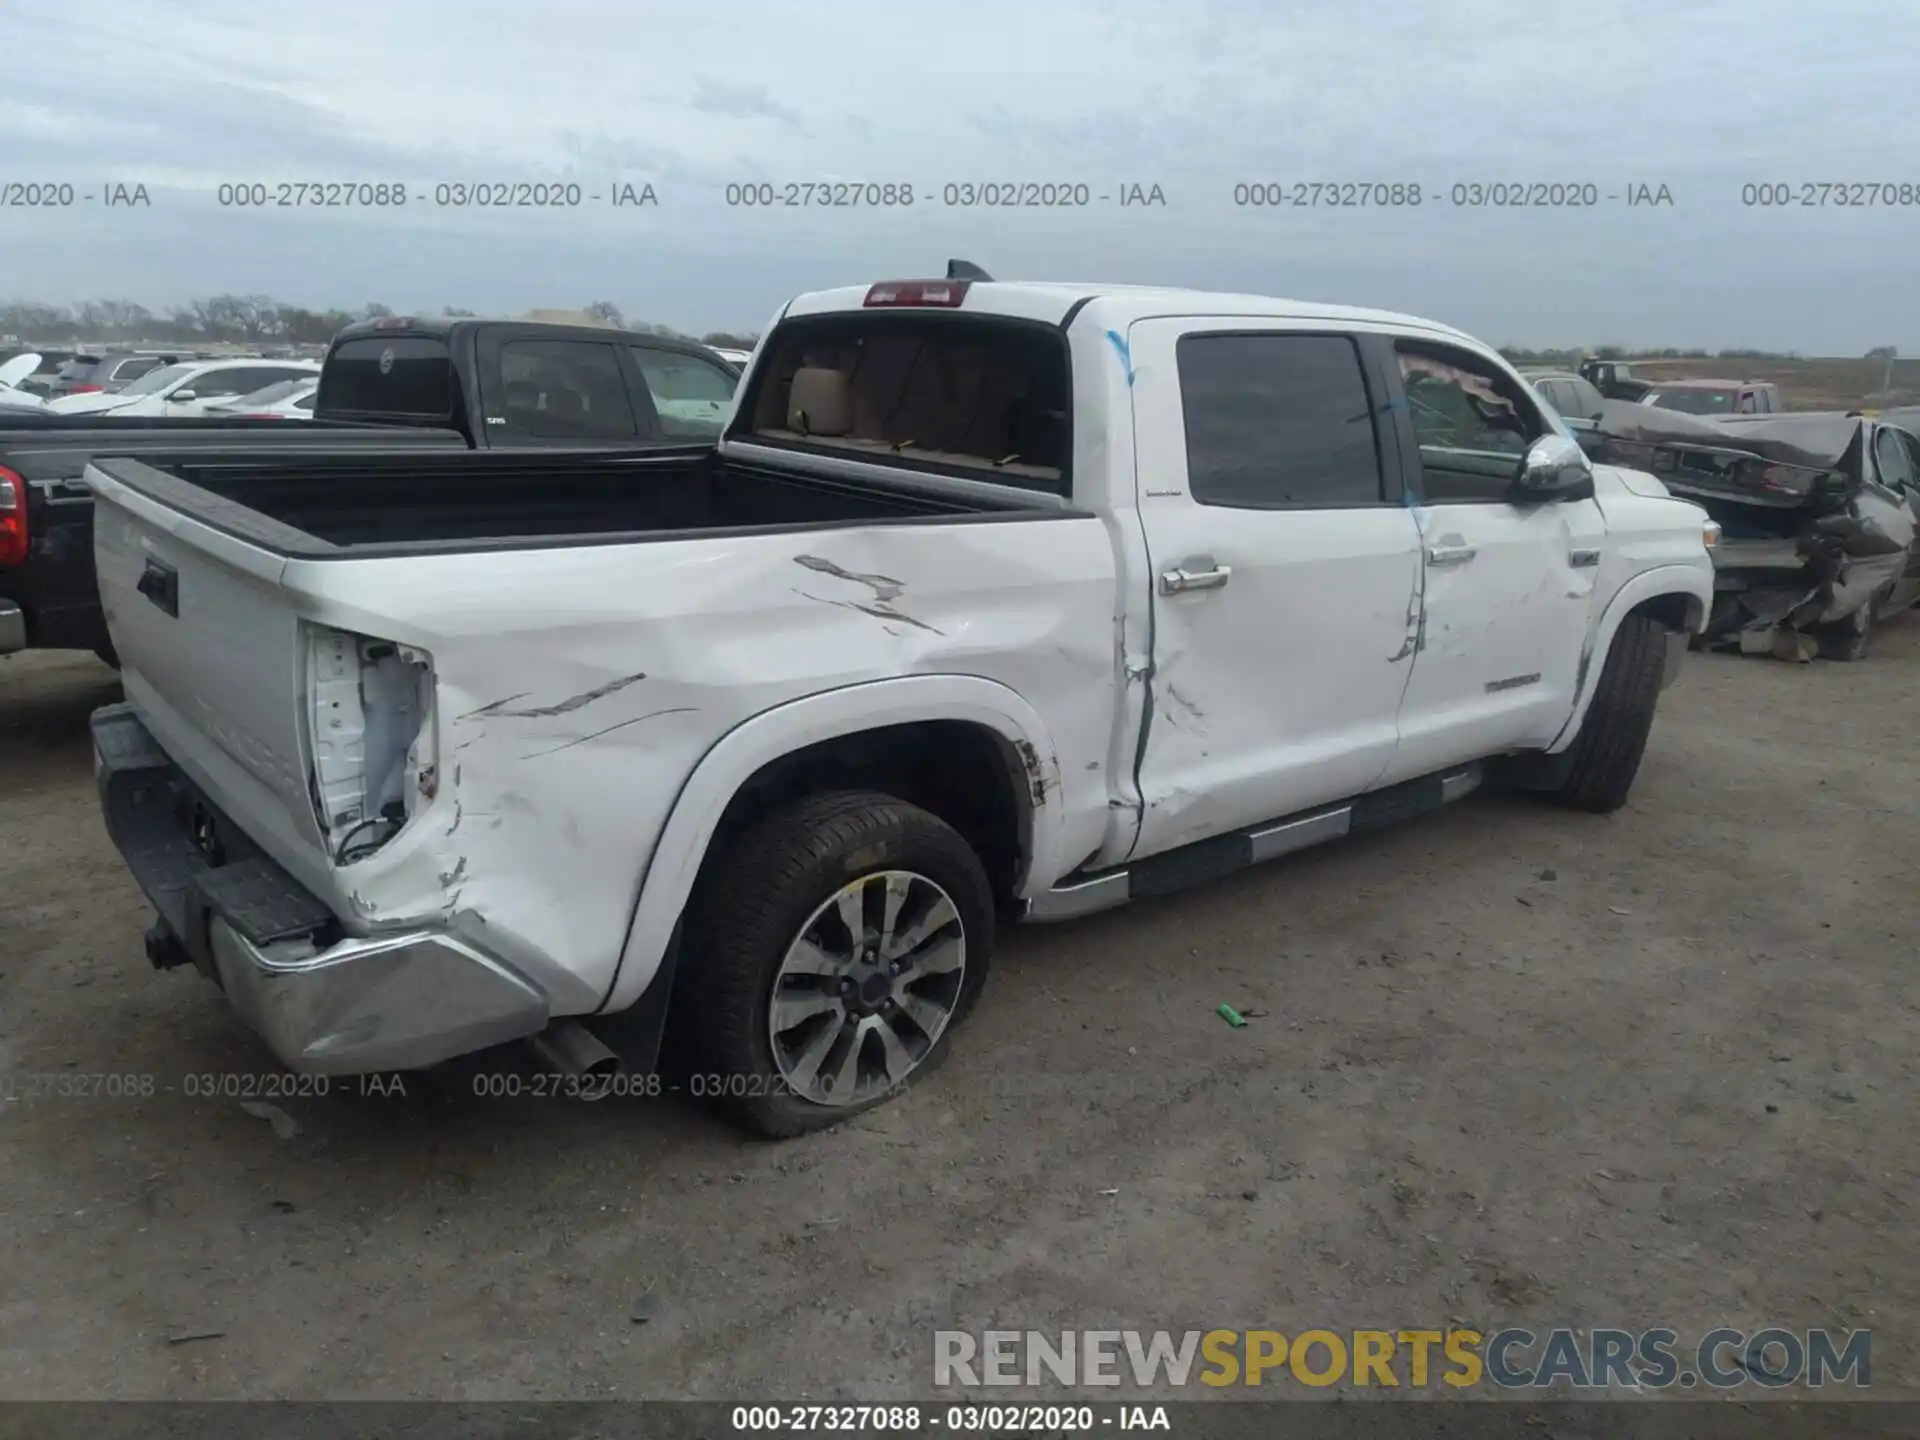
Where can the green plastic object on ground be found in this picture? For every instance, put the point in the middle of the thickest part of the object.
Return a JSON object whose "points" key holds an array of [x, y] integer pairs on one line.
{"points": [[1232, 1016]]}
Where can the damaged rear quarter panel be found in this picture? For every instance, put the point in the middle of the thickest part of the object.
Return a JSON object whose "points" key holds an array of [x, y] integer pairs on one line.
{"points": [[578, 688]]}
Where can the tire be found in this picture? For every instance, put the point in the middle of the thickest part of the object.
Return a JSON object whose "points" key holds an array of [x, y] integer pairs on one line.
{"points": [[1848, 639], [1605, 755], [771, 889]]}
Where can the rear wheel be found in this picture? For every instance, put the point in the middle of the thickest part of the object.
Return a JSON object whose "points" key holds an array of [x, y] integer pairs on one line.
{"points": [[1605, 756], [833, 949]]}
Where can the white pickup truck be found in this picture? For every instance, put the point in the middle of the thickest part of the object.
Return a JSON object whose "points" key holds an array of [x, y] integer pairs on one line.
{"points": [[993, 601]]}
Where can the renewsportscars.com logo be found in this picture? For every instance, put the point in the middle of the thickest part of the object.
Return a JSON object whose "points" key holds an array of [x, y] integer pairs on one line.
{"points": [[1509, 1359]]}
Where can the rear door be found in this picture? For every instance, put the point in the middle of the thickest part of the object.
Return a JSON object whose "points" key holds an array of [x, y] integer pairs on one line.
{"points": [[1285, 569], [1508, 588]]}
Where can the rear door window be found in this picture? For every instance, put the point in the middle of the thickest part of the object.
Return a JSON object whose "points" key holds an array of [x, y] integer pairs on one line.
{"points": [[133, 368], [1278, 422], [402, 377], [1893, 461], [559, 390], [692, 397], [1585, 399], [238, 380]]}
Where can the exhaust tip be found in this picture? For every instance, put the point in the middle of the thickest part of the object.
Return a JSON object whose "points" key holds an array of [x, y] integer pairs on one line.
{"points": [[569, 1048]]}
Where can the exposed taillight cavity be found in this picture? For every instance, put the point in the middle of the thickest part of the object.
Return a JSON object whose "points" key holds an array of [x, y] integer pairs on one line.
{"points": [[373, 740], [937, 294], [86, 390], [13, 517]]}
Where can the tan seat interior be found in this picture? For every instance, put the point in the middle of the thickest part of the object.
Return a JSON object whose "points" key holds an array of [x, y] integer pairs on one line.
{"points": [[969, 399], [819, 402]]}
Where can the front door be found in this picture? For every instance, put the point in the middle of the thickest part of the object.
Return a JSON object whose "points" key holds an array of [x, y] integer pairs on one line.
{"points": [[1509, 588], [1285, 568]]}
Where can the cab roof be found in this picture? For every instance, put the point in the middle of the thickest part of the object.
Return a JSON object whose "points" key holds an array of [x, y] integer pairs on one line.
{"points": [[1115, 306]]}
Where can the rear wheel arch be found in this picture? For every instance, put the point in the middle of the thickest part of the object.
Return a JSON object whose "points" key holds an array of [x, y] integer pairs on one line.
{"points": [[968, 750]]}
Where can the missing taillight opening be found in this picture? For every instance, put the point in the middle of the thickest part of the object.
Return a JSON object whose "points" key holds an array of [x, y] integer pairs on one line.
{"points": [[373, 738]]}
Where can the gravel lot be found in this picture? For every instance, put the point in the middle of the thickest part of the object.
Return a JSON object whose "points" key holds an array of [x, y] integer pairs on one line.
{"points": [[1516, 1065]]}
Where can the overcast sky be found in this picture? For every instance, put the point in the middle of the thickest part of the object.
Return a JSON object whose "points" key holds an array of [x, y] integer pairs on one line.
{"points": [[1195, 96]]}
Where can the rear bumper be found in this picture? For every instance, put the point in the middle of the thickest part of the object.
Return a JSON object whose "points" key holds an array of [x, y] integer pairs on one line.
{"points": [[13, 628], [325, 1002]]}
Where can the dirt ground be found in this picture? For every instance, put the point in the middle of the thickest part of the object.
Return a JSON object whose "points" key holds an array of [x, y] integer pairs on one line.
{"points": [[1516, 1065]]}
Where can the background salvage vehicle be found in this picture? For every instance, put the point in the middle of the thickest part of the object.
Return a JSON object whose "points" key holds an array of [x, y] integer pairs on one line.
{"points": [[182, 389], [1819, 515], [282, 400], [1614, 379], [1573, 398], [393, 383], [977, 608], [13, 373], [1715, 397]]}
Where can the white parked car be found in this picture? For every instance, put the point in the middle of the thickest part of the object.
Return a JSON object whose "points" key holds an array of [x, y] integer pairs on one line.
{"points": [[282, 400], [992, 600], [187, 388], [11, 374]]}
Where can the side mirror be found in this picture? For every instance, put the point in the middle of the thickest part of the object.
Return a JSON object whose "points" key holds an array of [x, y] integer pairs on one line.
{"points": [[181, 397], [1554, 468]]}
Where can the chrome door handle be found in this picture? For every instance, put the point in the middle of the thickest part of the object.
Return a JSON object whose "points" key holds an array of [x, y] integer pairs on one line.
{"points": [[1450, 554], [1178, 582]]}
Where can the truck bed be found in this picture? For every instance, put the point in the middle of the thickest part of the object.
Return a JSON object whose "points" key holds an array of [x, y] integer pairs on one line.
{"points": [[338, 506], [55, 587]]}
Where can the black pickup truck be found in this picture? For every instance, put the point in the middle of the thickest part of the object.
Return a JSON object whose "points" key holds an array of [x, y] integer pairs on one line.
{"points": [[388, 385]]}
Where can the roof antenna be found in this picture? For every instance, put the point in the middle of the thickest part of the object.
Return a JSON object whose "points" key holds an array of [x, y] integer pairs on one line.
{"points": [[966, 270]]}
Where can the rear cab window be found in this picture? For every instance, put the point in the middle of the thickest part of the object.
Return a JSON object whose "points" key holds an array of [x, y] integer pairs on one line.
{"points": [[1278, 421], [407, 378], [982, 397]]}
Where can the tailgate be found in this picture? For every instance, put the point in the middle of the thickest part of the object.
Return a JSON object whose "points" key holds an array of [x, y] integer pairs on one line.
{"points": [[212, 656]]}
